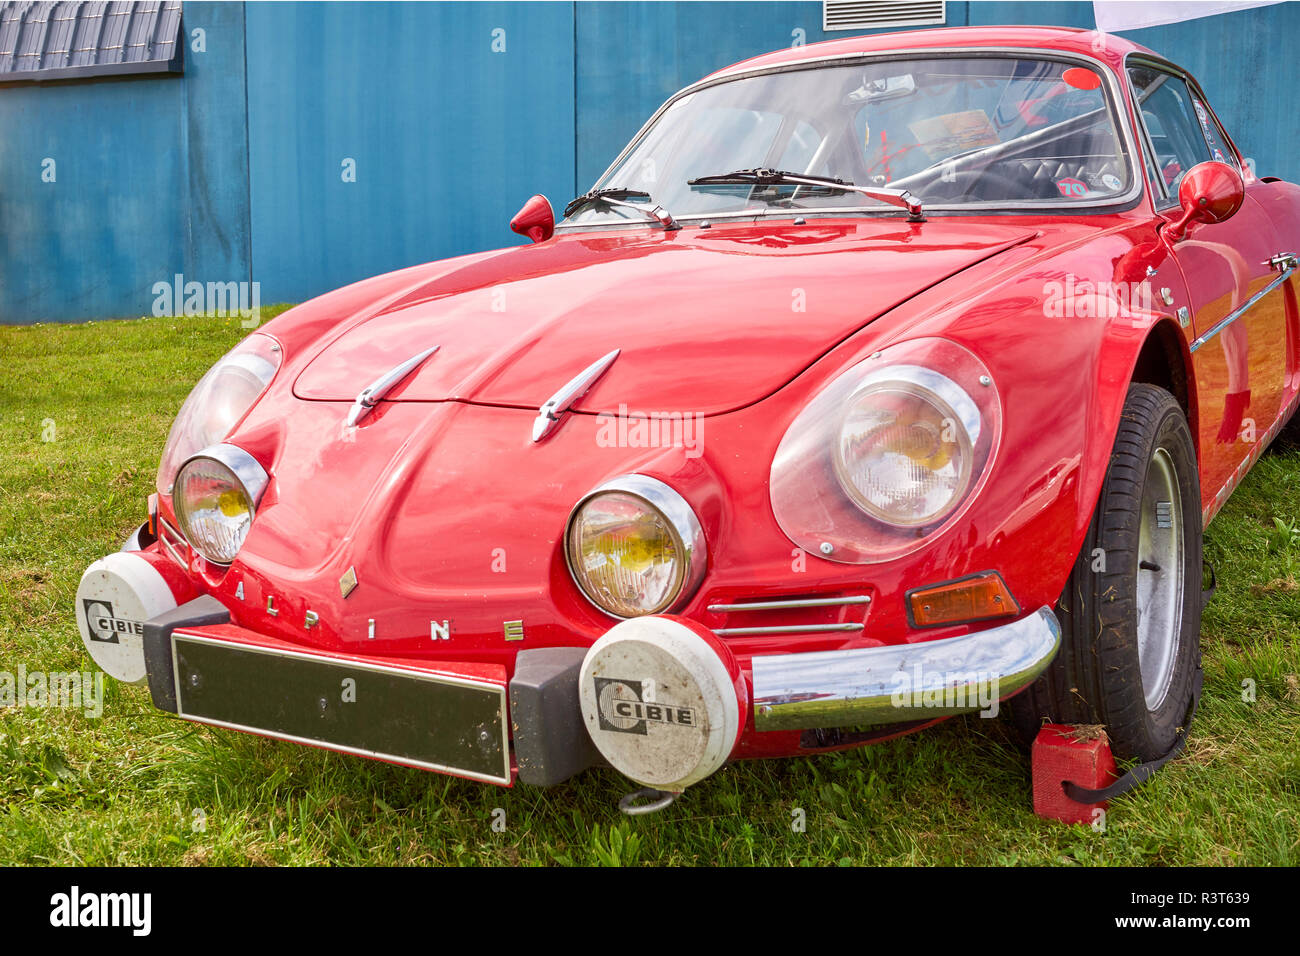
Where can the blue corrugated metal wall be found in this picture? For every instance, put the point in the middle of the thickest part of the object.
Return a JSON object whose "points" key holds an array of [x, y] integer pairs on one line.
{"points": [[148, 179], [448, 137], [453, 114], [113, 216], [633, 56]]}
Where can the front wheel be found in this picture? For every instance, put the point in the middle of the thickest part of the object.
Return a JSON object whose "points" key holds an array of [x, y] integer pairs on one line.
{"points": [[1131, 611]]}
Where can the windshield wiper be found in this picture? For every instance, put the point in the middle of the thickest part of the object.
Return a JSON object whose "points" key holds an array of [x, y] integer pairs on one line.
{"points": [[778, 177], [618, 196]]}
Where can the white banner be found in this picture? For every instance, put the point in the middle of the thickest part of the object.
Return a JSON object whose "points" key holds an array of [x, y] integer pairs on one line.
{"points": [[1115, 15]]}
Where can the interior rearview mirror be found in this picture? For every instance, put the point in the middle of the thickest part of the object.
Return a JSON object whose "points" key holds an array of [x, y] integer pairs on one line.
{"points": [[874, 89]]}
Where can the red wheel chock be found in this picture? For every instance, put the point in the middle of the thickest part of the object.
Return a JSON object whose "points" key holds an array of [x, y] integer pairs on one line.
{"points": [[1080, 755]]}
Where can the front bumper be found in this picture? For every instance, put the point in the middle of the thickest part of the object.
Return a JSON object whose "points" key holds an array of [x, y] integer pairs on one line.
{"points": [[447, 717], [902, 682], [433, 716], [205, 669], [416, 716]]}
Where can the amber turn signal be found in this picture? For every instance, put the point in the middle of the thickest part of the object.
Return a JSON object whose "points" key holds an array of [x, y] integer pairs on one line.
{"points": [[979, 597]]}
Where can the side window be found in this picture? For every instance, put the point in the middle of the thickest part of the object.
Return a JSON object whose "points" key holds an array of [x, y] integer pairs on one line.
{"points": [[1149, 159], [1169, 112], [1214, 136]]}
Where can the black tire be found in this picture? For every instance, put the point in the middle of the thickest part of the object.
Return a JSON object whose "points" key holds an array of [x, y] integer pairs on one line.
{"points": [[1288, 438], [1096, 677]]}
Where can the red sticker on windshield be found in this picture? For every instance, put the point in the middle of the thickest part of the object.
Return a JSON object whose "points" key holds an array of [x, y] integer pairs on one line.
{"points": [[1081, 79], [1071, 187]]}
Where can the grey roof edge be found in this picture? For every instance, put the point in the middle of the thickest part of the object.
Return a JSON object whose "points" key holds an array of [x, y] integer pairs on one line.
{"points": [[174, 66], [104, 30]]}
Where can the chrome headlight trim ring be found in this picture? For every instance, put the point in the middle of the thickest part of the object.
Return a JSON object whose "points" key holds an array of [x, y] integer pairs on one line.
{"points": [[246, 469], [682, 522], [942, 394]]}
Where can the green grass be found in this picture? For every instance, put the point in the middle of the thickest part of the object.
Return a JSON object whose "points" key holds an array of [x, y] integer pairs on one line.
{"points": [[129, 788]]}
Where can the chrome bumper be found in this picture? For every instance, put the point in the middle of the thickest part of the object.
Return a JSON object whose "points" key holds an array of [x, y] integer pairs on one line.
{"points": [[898, 683], [139, 540]]}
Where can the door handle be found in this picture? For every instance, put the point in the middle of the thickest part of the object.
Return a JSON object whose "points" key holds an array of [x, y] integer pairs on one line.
{"points": [[1282, 261]]}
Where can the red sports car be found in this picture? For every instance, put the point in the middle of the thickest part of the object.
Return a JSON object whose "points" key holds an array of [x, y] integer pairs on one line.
{"points": [[875, 382]]}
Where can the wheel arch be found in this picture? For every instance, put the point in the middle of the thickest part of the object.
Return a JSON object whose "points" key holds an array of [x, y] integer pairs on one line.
{"points": [[1061, 423], [1165, 362]]}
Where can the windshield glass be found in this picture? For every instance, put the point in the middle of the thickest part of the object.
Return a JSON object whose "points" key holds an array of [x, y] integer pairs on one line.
{"points": [[952, 131]]}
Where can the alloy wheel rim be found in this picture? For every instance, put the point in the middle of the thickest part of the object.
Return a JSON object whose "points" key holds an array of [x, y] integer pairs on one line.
{"points": [[1160, 576]]}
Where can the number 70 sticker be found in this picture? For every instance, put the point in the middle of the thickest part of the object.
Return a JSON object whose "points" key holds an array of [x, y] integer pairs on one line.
{"points": [[1071, 187]]}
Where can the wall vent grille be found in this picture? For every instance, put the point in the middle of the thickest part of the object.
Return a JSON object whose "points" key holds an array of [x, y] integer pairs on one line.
{"points": [[877, 14]]}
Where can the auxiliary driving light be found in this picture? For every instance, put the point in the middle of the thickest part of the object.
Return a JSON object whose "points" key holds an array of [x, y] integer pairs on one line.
{"points": [[663, 700]]}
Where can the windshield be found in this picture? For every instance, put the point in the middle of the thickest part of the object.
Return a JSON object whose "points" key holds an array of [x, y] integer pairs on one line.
{"points": [[952, 131]]}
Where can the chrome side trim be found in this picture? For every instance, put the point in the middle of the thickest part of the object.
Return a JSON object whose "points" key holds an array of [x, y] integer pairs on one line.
{"points": [[791, 603], [881, 685], [1240, 311], [548, 416], [369, 396], [791, 629]]}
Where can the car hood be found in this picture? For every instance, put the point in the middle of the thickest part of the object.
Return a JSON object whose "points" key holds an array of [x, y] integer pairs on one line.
{"points": [[705, 320]]}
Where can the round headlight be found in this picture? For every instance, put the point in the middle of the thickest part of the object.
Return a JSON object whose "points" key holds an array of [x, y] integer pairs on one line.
{"points": [[215, 497], [216, 404], [889, 454], [634, 547], [906, 447]]}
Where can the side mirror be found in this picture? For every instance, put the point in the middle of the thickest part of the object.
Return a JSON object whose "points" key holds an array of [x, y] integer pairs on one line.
{"points": [[535, 220], [1209, 192]]}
